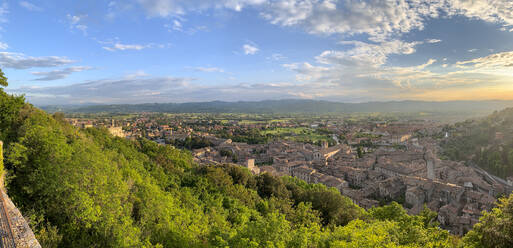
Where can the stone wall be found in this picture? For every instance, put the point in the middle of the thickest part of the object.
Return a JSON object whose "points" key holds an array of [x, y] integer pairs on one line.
{"points": [[23, 235]]}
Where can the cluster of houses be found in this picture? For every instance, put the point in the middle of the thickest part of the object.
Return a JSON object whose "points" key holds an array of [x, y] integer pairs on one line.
{"points": [[414, 176], [397, 166]]}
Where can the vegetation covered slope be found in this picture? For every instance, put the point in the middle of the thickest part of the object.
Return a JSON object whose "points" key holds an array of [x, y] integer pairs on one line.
{"points": [[85, 188], [487, 142]]}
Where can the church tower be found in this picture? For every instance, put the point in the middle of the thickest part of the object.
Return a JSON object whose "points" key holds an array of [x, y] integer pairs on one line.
{"points": [[430, 164]]}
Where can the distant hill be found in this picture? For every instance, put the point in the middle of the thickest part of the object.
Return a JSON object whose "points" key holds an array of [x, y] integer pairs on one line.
{"points": [[293, 106]]}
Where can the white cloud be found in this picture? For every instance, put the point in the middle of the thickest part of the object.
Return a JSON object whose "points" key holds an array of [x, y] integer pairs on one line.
{"points": [[116, 8], [428, 63], [74, 19], [135, 89], [168, 8], [431, 41], [82, 28], [365, 67], [495, 11], [472, 50], [115, 44], [30, 6], [359, 67], [506, 29], [250, 49], [208, 69], [177, 25], [136, 74], [3, 45], [59, 74], [366, 54], [76, 22], [21, 61], [146, 88], [413, 14], [277, 56], [4, 10], [497, 61], [325, 81], [123, 47], [381, 20]]}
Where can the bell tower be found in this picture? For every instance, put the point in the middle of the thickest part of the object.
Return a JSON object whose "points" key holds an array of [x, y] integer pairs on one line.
{"points": [[430, 164]]}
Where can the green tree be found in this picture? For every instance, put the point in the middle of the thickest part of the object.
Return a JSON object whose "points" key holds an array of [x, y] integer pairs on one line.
{"points": [[269, 185], [359, 151], [272, 231], [3, 79], [1, 158], [495, 228]]}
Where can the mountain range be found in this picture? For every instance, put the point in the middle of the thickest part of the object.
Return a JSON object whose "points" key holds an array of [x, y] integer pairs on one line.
{"points": [[293, 106]]}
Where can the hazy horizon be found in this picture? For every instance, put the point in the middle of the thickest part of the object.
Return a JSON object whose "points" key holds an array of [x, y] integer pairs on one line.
{"points": [[277, 100]]}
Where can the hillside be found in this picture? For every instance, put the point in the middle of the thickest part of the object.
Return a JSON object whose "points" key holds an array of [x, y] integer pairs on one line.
{"points": [[85, 188], [487, 142]]}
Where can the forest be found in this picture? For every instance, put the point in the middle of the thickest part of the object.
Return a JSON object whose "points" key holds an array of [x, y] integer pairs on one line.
{"points": [[86, 188], [486, 142]]}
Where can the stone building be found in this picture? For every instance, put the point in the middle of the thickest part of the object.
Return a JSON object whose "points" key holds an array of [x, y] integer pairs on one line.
{"points": [[415, 197], [250, 164], [117, 131], [304, 173], [392, 188]]}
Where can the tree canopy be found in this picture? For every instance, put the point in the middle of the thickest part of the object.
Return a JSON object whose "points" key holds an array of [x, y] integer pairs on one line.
{"points": [[3, 79], [495, 228]]}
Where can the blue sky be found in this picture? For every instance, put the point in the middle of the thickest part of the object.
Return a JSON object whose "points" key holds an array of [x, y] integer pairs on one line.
{"points": [[138, 51]]}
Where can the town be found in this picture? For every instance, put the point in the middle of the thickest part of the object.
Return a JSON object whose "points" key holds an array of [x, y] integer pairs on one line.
{"points": [[372, 160]]}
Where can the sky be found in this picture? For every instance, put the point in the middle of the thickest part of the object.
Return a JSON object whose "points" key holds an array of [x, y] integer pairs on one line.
{"points": [[144, 51]]}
